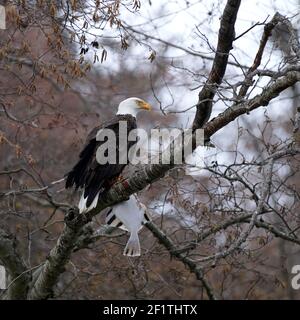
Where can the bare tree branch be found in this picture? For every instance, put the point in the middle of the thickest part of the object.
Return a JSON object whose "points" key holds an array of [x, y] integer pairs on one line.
{"points": [[188, 51], [225, 40], [173, 250], [257, 60], [14, 264], [47, 276]]}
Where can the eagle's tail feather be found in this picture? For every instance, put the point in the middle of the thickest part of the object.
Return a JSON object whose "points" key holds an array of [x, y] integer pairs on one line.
{"points": [[83, 207]]}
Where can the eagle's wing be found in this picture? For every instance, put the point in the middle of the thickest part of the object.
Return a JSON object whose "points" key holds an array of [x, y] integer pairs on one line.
{"points": [[88, 173]]}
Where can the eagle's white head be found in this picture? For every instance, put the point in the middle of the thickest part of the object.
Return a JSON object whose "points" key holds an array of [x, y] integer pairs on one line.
{"points": [[133, 106]]}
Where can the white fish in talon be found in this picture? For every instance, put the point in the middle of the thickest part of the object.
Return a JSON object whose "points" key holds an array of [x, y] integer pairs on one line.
{"points": [[129, 215]]}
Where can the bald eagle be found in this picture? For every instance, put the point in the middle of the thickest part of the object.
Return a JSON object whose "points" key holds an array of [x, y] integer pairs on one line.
{"points": [[91, 176]]}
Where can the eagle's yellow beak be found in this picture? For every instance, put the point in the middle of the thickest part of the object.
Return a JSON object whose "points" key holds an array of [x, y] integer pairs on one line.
{"points": [[144, 105]]}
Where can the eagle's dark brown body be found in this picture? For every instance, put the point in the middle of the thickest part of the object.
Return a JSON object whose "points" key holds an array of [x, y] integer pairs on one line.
{"points": [[88, 174]]}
